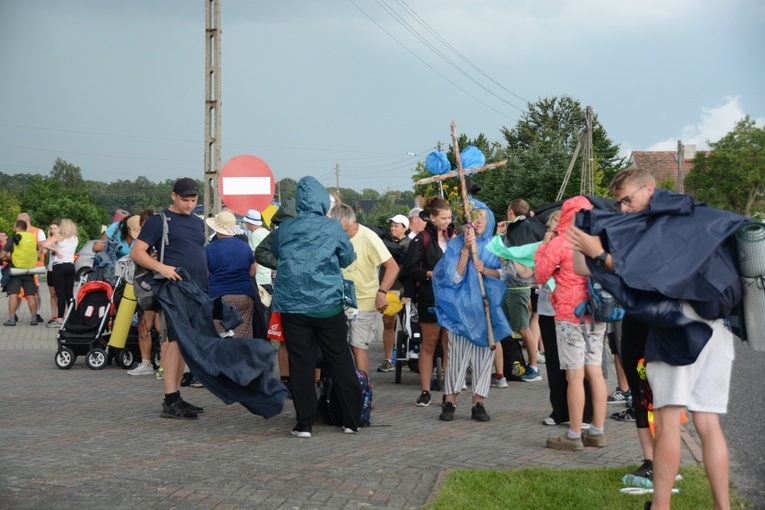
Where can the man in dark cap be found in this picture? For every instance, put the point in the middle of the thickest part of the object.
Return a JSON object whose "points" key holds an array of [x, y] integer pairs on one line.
{"points": [[185, 246]]}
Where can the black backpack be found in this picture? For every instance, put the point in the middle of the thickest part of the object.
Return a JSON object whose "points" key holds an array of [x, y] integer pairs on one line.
{"points": [[515, 362]]}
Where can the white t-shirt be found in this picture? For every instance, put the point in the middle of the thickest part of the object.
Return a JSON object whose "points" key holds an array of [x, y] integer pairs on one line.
{"points": [[263, 274], [65, 248]]}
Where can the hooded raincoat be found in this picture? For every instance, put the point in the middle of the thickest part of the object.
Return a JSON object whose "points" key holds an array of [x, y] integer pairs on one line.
{"points": [[459, 305], [310, 251]]}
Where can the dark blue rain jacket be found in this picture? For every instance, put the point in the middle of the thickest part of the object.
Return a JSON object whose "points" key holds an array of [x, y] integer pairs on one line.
{"points": [[233, 369]]}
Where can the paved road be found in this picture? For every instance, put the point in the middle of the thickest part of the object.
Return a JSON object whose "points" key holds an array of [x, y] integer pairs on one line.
{"points": [[93, 439]]}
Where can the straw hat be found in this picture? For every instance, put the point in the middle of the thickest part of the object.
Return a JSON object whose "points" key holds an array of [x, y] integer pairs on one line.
{"points": [[223, 223]]}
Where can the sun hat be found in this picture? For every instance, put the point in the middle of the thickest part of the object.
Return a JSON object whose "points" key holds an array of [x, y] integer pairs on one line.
{"points": [[224, 223], [254, 217], [134, 225], [399, 218]]}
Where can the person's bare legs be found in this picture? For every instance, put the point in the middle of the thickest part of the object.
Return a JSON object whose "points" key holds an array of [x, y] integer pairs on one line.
{"points": [[144, 335], [531, 343], [389, 328], [575, 396], [13, 304], [362, 359], [430, 337], [499, 358], [646, 442], [715, 455], [666, 454], [54, 303], [173, 365], [621, 377], [536, 332], [594, 375], [32, 302]]}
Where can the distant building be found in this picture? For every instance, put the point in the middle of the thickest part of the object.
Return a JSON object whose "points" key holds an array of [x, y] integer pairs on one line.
{"points": [[663, 165]]}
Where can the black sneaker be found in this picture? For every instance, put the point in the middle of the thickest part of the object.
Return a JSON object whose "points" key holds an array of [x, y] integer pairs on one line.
{"points": [[447, 412], [645, 470], [178, 412], [191, 407], [39, 318], [478, 412], [187, 378], [424, 399], [301, 431], [12, 322]]}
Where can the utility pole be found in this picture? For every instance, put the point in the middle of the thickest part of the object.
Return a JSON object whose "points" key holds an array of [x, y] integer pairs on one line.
{"points": [[337, 179], [680, 157], [212, 107]]}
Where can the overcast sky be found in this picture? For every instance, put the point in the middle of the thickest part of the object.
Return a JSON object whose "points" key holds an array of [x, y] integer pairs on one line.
{"points": [[117, 88]]}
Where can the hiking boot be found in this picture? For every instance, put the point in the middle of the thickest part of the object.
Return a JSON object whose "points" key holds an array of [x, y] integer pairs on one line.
{"points": [[498, 383], [386, 366], [141, 369], [596, 440], [619, 397], [626, 415], [424, 399], [176, 411], [478, 412], [532, 374], [565, 443], [303, 432], [447, 411], [10, 322]]}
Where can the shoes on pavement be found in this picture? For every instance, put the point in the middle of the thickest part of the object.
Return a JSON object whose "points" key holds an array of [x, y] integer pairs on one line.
{"points": [[447, 411], [541, 359], [177, 411], [39, 318], [53, 323], [192, 407], [10, 322], [498, 383], [424, 399], [386, 366], [532, 374], [187, 378], [565, 443], [301, 432], [141, 369], [160, 373], [619, 397], [349, 430], [626, 415], [596, 440], [478, 412], [551, 421], [34, 322]]}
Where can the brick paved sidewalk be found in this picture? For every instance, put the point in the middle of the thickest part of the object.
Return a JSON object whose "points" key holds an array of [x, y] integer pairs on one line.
{"points": [[93, 439]]}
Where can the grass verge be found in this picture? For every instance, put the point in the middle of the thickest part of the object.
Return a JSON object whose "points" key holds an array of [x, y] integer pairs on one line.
{"points": [[541, 488]]}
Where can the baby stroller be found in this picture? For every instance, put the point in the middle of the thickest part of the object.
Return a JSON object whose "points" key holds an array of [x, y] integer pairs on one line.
{"points": [[407, 350], [88, 324]]}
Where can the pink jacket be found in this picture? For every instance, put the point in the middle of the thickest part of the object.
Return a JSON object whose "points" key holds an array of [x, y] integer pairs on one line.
{"points": [[556, 260]]}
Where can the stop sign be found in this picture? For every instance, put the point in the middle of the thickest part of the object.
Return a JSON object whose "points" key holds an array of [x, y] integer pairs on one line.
{"points": [[245, 182]]}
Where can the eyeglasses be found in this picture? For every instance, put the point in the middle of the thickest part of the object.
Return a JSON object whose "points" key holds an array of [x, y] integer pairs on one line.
{"points": [[626, 200]]}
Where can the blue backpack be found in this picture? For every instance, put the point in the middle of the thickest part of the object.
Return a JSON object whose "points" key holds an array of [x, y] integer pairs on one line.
{"points": [[329, 409], [600, 305]]}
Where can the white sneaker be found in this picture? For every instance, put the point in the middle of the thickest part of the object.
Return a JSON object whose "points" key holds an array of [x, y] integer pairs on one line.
{"points": [[541, 358], [498, 383], [348, 430], [142, 370]]}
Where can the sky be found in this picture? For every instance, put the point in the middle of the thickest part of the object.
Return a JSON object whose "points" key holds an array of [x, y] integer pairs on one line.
{"points": [[365, 87]]}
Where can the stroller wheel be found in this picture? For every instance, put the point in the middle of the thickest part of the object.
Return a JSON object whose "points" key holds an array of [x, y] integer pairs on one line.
{"points": [[96, 358], [65, 358], [125, 358], [156, 358]]}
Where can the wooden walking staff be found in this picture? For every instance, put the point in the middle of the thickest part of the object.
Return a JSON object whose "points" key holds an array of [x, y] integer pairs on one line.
{"points": [[473, 248]]}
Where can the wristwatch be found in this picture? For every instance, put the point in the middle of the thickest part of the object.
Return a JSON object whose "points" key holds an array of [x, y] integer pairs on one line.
{"points": [[600, 260], [381, 291]]}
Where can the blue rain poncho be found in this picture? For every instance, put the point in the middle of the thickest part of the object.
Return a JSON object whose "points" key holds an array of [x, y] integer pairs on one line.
{"points": [[459, 306]]}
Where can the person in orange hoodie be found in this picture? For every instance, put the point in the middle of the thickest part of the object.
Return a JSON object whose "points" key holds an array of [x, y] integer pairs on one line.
{"points": [[580, 355]]}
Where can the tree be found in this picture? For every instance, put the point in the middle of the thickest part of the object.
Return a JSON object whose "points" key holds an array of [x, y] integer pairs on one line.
{"points": [[539, 149], [10, 207], [68, 175], [45, 200], [732, 176], [286, 189]]}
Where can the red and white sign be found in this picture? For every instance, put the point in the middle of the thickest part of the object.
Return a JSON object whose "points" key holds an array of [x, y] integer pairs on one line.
{"points": [[245, 182]]}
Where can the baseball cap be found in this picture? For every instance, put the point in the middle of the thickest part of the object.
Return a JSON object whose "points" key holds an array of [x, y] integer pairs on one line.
{"points": [[399, 218], [186, 187], [254, 217], [415, 212]]}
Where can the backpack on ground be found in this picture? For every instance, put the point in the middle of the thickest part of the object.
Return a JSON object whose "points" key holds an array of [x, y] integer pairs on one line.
{"points": [[329, 408], [24, 254], [515, 362]]}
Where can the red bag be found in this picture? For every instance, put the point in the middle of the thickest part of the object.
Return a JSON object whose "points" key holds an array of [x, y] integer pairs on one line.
{"points": [[275, 327]]}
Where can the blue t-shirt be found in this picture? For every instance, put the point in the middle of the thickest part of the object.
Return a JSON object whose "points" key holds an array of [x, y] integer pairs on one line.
{"points": [[186, 248], [229, 260]]}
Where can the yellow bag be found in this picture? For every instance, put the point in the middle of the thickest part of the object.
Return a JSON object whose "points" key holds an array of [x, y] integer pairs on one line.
{"points": [[394, 303]]}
